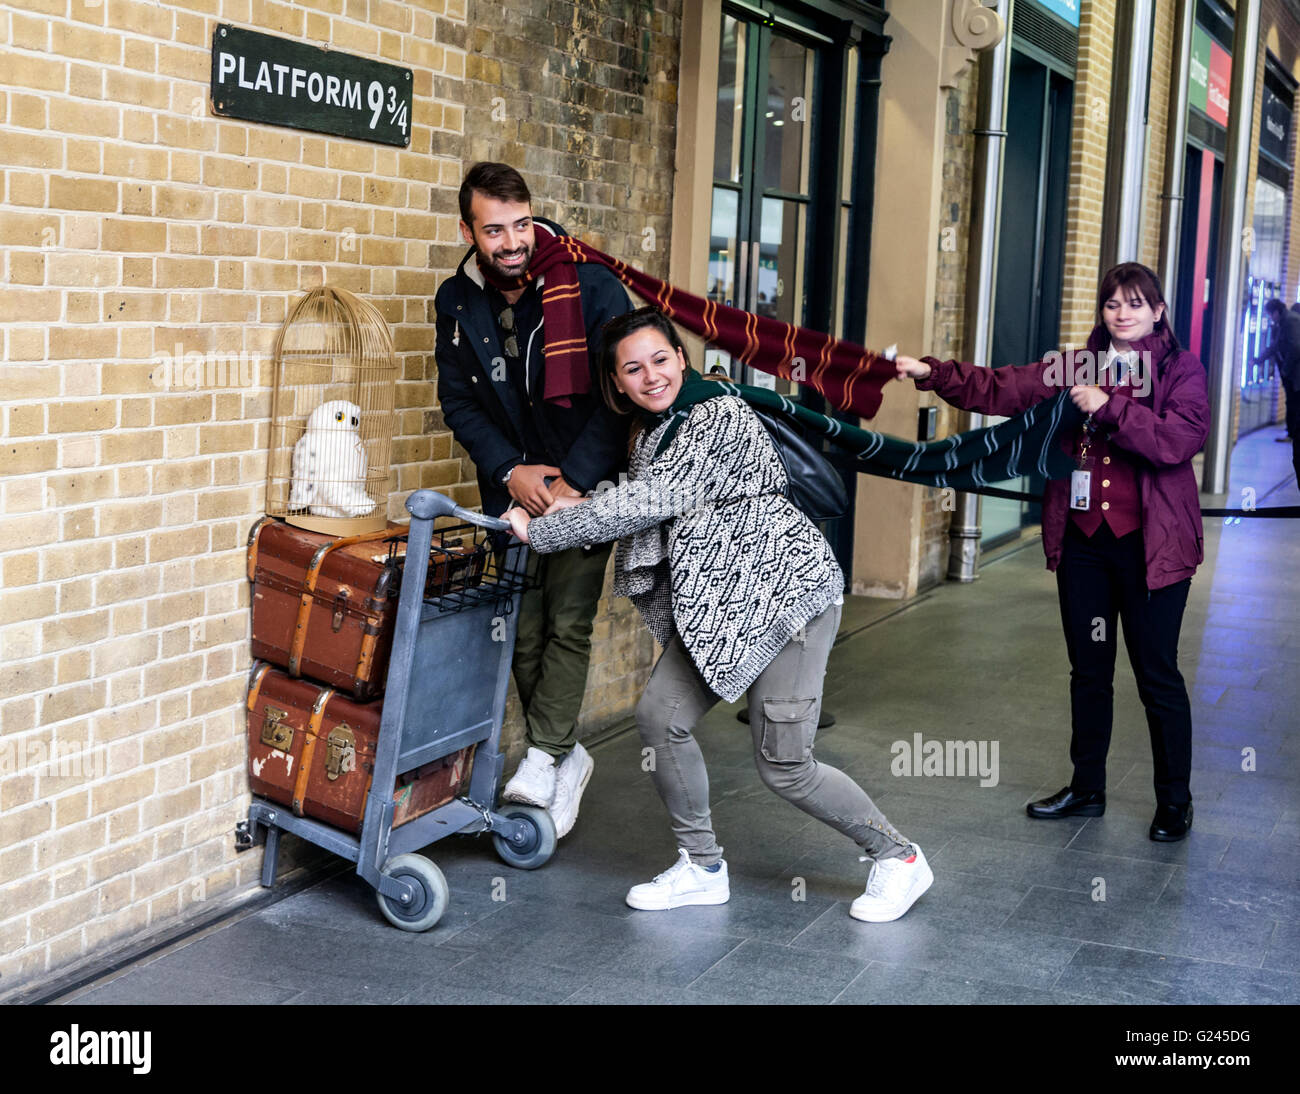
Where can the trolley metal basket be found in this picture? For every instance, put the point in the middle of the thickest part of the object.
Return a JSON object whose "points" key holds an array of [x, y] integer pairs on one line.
{"points": [[446, 690]]}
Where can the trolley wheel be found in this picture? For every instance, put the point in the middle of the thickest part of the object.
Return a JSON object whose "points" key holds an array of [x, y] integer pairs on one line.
{"points": [[431, 895], [539, 840]]}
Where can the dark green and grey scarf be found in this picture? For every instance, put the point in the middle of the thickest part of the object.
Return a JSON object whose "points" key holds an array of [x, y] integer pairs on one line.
{"points": [[1029, 443]]}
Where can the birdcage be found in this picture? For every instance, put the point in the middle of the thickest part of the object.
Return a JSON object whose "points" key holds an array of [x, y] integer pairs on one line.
{"points": [[332, 415]]}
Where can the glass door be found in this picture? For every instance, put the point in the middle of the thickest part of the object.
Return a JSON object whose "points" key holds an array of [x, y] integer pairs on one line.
{"points": [[762, 177]]}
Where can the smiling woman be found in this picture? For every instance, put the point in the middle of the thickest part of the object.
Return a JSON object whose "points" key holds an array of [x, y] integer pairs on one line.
{"points": [[1124, 535], [742, 592]]}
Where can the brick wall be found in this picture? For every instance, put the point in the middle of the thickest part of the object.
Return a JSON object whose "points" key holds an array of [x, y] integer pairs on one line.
{"points": [[582, 98], [135, 222]]}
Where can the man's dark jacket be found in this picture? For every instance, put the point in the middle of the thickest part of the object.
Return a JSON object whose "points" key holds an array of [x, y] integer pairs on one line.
{"points": [[586, 441]]}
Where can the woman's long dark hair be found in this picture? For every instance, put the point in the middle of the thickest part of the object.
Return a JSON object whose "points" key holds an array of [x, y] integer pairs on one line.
{"points": [[1136, 278], [613, 332]]}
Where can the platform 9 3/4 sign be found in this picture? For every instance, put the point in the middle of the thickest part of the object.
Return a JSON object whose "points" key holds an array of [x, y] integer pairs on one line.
{"points": [[262, 78]]}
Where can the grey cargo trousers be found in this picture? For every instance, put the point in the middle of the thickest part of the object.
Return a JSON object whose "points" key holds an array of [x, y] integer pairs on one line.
{"points": [[784, 703]]}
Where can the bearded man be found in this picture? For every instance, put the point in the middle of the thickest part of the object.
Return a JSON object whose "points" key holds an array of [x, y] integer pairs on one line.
{"points": [[521, 396]]}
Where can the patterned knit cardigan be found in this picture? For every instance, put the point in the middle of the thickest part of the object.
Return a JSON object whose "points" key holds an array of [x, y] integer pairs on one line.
{"points": [[708, 544]]}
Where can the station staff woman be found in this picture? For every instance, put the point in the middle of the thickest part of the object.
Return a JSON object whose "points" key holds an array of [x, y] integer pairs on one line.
{"points": [[1124, 535], [742, 591]]}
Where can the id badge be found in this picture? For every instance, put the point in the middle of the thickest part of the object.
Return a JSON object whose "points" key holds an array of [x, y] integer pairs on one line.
{"points": [[1080, 489]]}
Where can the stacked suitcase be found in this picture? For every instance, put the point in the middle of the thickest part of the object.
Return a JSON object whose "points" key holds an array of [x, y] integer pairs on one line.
{"points": [[323, 620]]}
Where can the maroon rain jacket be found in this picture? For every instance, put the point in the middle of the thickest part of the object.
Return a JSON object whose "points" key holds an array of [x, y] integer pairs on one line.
{"points": [[1162, 431]]}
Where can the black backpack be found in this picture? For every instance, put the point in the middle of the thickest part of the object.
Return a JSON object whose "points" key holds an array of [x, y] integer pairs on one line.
{"points": [[812, 484]]}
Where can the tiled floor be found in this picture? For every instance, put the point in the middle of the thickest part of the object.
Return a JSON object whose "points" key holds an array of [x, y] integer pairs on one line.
{"points": [[1016, 911]]}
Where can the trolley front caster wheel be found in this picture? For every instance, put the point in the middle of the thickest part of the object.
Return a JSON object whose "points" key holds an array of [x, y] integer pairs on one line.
{"points": [[538, 844], [429, 900]]}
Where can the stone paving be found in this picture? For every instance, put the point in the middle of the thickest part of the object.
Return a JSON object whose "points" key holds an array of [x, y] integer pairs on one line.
{"points": [[1013, 915]]}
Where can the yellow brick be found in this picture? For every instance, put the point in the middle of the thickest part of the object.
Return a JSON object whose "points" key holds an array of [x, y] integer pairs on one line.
{"points": [[184, 204], [27, 420], [24, 496], [132, 516], [120, 654], [81, 416], [82, 271], [75, 596], [27, 111], [85, 156], [135, 235], [74, 630], [130, 585], [72, 668], [66, 915], [126, 687], [83, 307], [132, 447], [29, 230], [87, 119], [128, 618], [69, 40], [35, 74], [137, 200], [99, 195], [28, 531], [59, 563], [121, 860], [133, 482], [81, 488], [121, 791], [184, 132], [136, 413], [171, 609], [128, 377], [188, 273], [78, 524]]}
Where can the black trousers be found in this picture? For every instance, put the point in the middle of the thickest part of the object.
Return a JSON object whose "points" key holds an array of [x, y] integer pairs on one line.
{"points": [[1098, 579], [1293, 428]]}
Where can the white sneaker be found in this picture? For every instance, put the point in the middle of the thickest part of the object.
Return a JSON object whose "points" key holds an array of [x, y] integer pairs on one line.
{"points": [[570, 781], [534, 780], [892, 888], [682, 883]]}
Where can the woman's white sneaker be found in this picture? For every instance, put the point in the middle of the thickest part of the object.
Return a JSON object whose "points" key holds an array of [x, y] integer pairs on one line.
{"points": [[893, 886], [681, 884]]}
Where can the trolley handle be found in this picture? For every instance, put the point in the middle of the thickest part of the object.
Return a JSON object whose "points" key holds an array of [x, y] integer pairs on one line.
{"points": [[428, 504]]}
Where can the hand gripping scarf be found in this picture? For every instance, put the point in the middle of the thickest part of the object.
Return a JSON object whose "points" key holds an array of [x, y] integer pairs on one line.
{"points": [[849, 377]]}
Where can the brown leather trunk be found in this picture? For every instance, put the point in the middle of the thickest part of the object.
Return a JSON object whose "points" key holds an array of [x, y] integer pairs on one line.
{"points": [[323, 607], [312, 749]]}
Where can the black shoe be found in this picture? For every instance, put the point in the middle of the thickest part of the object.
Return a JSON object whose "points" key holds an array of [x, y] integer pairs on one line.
{"points": [[1171, 823], [824, 719], [1066, 803]]}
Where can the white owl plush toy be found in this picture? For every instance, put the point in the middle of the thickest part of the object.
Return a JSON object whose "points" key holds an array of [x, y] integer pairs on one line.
{"points": [[329, 463]]}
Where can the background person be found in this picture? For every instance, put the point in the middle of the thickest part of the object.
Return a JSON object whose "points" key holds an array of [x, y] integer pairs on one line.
{"points": [[526, 407], [1131, 547], [743, 592], [1285, 352]]}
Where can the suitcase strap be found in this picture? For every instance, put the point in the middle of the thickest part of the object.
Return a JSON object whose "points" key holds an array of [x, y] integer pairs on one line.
{"points": [[309, 749], [308, 597]]}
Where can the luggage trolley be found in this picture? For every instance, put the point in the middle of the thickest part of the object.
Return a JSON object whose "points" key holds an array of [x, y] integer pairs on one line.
{"points": [[446, 690]]}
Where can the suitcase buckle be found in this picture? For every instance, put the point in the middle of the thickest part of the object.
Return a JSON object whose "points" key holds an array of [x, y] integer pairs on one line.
{"points": [[340, 751], [274, 732], [340, 606]]}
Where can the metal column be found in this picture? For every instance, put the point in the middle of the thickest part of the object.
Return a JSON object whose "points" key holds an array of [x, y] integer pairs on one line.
{"points": [[1126, 155], [1232, 226], [981, 269], [1171, 219]]}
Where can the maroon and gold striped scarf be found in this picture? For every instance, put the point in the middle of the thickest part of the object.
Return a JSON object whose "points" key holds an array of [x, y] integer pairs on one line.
{"points": [[849, 377]]}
